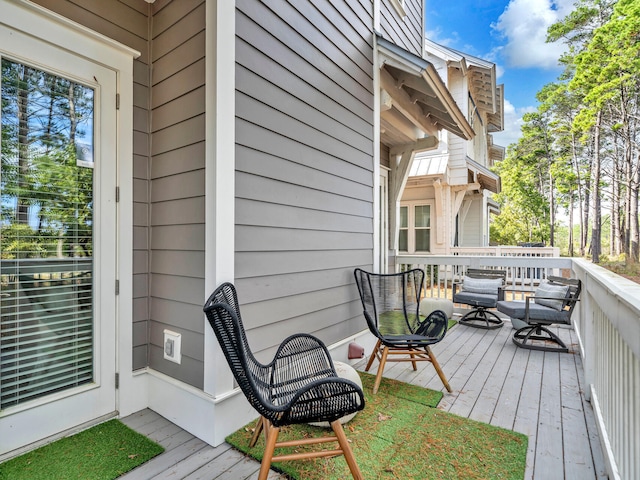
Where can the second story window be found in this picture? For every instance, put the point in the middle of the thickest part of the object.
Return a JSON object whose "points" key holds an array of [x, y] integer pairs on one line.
{"points": [[422, 228], [414, 228], [403, 239]]}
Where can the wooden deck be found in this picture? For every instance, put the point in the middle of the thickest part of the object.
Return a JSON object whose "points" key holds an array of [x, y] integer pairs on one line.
{"points": [[493, 381]]}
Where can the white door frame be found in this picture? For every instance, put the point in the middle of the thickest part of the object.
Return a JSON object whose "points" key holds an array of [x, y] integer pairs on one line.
{"points": [[383, 214], [27, 34]]}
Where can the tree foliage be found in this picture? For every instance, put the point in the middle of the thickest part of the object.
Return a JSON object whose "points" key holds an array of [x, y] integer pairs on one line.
{"points": [[584, 136], [46, 206]]}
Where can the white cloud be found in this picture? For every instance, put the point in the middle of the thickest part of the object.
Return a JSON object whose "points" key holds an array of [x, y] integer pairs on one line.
{"points": [[451, 39], [438, 36], [512, 123], [524, 25]]}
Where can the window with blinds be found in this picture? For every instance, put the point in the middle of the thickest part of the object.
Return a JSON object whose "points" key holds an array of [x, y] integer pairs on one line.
{"points": [[46, 241]]}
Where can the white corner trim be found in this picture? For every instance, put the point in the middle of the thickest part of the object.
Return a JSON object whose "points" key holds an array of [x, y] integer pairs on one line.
{"points": [[219, 174], [209, 418], [196, 412]]}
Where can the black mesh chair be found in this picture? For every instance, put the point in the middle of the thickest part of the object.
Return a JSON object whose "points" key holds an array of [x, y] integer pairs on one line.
{"points": [[300, 385], [481, 289], [552, 303], [391, 303]]}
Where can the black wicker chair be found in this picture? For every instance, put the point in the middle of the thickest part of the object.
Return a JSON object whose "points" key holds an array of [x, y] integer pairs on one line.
{"points": [[391, 303], [552, 303], [481, 289], [300, 385]]}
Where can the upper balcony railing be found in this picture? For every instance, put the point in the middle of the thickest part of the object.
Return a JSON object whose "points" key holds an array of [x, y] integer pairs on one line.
{"points": [[507, 251], [606, 321]]}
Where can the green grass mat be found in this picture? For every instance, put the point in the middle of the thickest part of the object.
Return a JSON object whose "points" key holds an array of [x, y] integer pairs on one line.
{"points": [[394, 323], [103, 452], [400, 435]]}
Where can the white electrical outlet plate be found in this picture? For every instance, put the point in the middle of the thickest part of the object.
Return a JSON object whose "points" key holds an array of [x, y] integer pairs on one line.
{"points": [[172, 346]]}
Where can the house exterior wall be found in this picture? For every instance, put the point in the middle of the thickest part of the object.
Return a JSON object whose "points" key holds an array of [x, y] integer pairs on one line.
{"points": [[168, 229], [458, 146], [304, 167], [127, 22], [472, 227], [177, 187], [407, 31], [479, 149]]}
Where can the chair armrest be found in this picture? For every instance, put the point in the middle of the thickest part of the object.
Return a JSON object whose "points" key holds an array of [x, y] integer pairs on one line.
{"points": [[566, 301], [501, 291], [434, 327]]}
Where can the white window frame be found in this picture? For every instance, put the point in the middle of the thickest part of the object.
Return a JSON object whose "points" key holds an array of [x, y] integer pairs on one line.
{"points": [[411, 222]]}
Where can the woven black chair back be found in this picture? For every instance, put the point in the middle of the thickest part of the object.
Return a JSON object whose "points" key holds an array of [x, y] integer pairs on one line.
{"points": [[391, 301], [223, 313], [299, 385]]}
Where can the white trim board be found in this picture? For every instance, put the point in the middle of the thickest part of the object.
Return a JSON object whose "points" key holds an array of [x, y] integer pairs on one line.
{"points": [[208, 418]]}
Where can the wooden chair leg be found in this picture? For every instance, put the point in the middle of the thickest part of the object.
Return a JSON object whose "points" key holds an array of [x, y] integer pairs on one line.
{"points": [[413, 362], [383, 361], [346, 450], [373, 356], [438, 369], [256, 432], [272, 438]]}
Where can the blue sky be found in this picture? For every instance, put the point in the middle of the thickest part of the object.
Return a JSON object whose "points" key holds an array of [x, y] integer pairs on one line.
{"points": [[510, 33]]}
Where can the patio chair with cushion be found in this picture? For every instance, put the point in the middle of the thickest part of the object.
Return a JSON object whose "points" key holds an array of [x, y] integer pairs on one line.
{"points": [[481, 289], [299, 385], [391, 303], [552, 303]]}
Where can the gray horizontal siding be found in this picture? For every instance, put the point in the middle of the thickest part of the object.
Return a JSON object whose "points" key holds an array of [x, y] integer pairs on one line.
{"points": [[333, 323], [304, 166], [259, 238], [403, 31], [257, 264], [258, 188], [260, 139], [304, 174], [298, 217], [176, 245], [322, 75], [265, 287], [126, 21]]}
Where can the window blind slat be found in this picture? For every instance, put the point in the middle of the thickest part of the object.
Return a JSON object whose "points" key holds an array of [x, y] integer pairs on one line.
{"points": [[35, 366], [45, 376], [46, 252]]}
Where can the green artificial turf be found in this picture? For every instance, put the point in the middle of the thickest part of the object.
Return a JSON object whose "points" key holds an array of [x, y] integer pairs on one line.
{"points": [[394, 323], [400, 434], [103, 452]]}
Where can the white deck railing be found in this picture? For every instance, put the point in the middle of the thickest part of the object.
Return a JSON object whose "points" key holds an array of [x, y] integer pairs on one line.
{"points": [[607, 323], [507, 251]]}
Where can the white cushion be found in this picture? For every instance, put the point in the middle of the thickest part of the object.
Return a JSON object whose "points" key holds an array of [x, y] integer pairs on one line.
{"points": [[488, 286], [344, 370], [430, 304], [546, 289]]}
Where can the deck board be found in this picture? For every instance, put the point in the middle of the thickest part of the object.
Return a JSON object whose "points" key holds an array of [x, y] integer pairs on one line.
{"points": [[549, 437], [493, 381]]}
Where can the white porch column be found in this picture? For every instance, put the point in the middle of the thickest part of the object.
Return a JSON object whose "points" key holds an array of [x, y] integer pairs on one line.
{"points": [[220, 175]]}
